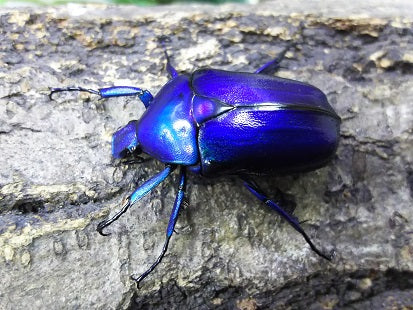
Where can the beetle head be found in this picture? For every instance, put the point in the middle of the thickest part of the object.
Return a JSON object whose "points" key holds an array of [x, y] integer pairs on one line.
{"points": [[125, 142]]}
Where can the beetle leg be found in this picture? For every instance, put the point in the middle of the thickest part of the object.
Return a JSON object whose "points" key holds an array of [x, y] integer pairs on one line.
{"points": [[171, 70], [140, 192], [274, 64], [115, 91], [171, 225], [72, 88], [257, 192]]}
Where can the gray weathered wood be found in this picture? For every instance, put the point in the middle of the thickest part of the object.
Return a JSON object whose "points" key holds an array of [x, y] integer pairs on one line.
{"points": [[58, 180]]}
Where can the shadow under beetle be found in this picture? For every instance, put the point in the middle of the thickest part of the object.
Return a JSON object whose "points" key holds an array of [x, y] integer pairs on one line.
{"points": [[215, 122]]}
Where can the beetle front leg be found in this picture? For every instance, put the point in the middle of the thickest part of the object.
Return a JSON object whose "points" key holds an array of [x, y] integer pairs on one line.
{"points": [[138, 194], [257, 192], [171, 225], [115, 91], [54, 90]]}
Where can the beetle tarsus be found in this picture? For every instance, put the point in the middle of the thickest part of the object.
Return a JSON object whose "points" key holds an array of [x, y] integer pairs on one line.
{"points": [[328, 256], [54, 90], [257, 192], [102, 225], [139, 279], [100, 228]]}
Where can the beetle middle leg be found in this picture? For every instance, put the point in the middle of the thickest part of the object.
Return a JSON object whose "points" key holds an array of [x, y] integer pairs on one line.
{"points": [[257, 192], [171, 70], [274, 64], [171, 225]]}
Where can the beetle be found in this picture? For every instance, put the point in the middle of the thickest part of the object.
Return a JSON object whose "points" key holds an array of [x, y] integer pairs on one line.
{"points": [[215, 122]]}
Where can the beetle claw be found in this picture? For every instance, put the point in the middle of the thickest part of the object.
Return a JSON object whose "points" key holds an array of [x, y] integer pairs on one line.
{"points": [[332, 254], [101, 226], [109, 221], [137, 280], [51, 92], [164, 38]]}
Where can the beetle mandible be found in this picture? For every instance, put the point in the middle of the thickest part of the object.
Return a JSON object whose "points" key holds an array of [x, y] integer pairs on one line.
{"points": [[215, 122]]}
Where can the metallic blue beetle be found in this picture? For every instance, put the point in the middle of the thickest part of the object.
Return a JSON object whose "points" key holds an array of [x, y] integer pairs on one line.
{"points": [[216, 122]]}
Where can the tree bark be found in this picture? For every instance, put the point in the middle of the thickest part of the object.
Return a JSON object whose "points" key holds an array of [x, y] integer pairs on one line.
{"points": [[58, 180]]}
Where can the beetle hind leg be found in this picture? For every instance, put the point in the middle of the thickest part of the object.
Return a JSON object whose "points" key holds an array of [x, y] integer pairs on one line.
{"points": [[257, 192], [179, 200]]}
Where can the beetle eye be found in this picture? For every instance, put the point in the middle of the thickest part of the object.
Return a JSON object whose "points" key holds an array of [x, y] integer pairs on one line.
{"points": [[130, 152], [132, 156], [125, 141]]}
